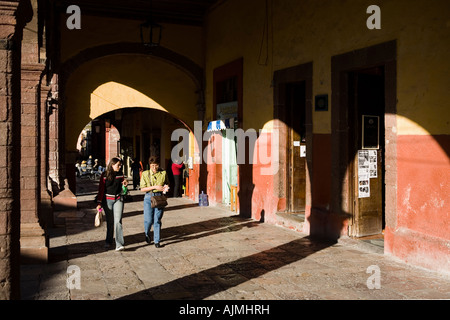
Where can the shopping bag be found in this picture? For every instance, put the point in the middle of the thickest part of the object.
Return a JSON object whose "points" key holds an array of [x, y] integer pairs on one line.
{"points": [[98, 218]]}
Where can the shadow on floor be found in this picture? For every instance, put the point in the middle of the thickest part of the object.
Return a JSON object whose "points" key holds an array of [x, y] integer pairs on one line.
{"points": [[227, 275]]}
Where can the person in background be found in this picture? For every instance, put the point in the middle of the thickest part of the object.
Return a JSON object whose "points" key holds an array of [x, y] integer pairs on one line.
{"points": [[78, 166], [177, 170], [153, 182], [111, 199], [89, 164], [135, 169], [89, 161]]}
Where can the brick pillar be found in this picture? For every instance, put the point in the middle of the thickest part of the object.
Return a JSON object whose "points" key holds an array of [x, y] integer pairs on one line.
{"points": [[45, 206], [32, 236], [10, 39], [54, 168], [113, 136]]}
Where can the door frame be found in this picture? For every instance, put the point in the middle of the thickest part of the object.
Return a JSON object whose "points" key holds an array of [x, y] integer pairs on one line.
{"points": [[360, 225], [385, 55], [230, 70], [300, 73]]}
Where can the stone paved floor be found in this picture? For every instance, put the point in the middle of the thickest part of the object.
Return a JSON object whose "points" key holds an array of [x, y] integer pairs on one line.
{"points": [[210, 253]]}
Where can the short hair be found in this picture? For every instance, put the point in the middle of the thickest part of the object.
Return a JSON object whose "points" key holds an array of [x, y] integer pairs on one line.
{"points": [[153, 160]]}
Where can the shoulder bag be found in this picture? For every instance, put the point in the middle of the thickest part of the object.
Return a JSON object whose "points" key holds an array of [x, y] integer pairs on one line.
{"points": [[158, 201]]}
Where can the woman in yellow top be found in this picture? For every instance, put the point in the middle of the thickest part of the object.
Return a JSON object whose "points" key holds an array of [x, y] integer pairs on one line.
{"points": [[154, 182]]}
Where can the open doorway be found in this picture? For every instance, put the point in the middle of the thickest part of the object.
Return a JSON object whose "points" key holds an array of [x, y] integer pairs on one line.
{"points": [[293, 121], [296, 147], [366, 102]]}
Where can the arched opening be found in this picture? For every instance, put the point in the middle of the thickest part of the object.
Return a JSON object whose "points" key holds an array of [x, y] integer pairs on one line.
{"points": [[133, 134], [116, 83]]}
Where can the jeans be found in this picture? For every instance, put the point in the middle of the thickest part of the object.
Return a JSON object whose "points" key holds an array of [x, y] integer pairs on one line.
{"points": [[114, 211], [152, 217]]}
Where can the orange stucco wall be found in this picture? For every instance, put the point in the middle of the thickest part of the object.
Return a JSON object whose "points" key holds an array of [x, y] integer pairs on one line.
{"points": [[422, 231]]}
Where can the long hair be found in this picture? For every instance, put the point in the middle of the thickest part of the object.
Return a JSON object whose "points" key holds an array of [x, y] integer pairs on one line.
{"points": [[110, 173]]}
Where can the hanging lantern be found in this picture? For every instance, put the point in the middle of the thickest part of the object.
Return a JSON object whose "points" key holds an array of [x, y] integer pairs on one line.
{"points": [[150, 33]]}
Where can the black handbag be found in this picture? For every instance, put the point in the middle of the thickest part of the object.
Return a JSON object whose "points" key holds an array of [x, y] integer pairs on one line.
{"points": [[158, 201]]}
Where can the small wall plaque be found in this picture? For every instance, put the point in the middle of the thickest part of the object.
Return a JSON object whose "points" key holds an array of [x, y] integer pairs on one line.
{"points": [[321, 102]]}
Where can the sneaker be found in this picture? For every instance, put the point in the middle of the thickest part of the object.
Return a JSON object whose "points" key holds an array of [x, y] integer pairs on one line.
{"points": [[120, 248], [107, 245]]}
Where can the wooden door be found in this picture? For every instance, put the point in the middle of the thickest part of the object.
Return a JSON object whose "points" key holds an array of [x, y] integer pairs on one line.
{"points": [[366, 121], [295, 103]]}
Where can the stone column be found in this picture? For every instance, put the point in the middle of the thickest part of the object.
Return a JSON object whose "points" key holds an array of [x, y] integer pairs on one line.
{"points": [[10, 39], [45, 206], [33, 240], [54, 168], [33, 244]]}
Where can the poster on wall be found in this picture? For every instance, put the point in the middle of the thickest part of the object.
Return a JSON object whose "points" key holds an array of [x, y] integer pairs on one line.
{"points": [[303, 151], [363, 174], [363, 186], [373, 164]]}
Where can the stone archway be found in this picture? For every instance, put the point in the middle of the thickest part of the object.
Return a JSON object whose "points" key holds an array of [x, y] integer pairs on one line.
{"points": [[180, 62]]}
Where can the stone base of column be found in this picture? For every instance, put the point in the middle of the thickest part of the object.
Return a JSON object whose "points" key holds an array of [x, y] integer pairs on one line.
{"points": [[65, 200], [33, 244], [46, 210]]}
